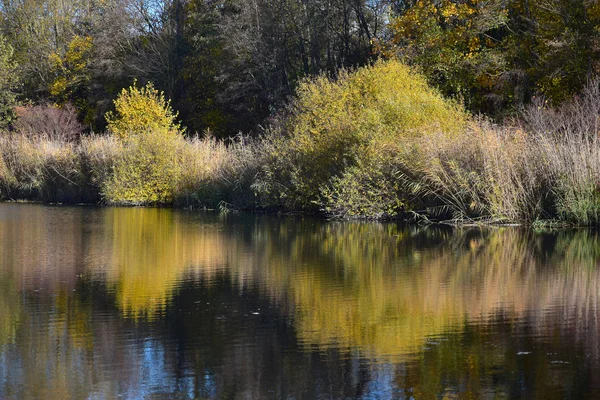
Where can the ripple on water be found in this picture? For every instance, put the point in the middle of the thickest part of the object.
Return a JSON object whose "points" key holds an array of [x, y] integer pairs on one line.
{"points": [[100, 303]]}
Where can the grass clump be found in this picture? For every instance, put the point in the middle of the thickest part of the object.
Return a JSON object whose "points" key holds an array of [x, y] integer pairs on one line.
{"points": [[567, 136], [489, 172], [219, 174], [41, 169]]}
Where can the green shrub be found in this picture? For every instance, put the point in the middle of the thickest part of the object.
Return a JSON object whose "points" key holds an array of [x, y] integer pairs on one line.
{"points": [[8, 83]]}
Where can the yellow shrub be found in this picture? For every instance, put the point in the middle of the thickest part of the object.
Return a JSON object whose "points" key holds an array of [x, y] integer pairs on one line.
{"points": [[363, 119], [141, 110], [146, 171], [148, 168]]}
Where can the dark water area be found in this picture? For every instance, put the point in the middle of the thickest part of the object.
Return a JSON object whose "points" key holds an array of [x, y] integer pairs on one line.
{"points": [[162, 304]]}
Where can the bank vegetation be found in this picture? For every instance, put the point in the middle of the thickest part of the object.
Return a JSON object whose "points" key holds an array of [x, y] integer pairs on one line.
{"points": [[376, 142]]}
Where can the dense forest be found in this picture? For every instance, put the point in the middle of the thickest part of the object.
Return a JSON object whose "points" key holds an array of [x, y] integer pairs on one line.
{"points": [[478, 109], [229, 64]]}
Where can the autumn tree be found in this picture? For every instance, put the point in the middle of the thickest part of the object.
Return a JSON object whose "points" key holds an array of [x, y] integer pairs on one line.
{"points": [[495, 55], [8, 83]]}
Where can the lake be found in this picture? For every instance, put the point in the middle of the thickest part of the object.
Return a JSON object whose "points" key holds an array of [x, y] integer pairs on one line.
{"points": [[132, 303]]}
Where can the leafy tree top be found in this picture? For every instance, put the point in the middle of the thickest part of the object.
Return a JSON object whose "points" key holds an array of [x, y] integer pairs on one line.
{"points": [[140, 111]]}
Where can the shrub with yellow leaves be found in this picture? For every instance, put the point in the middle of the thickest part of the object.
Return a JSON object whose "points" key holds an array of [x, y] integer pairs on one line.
{"points": [[148, 168], [354, 129], [141, 110]]}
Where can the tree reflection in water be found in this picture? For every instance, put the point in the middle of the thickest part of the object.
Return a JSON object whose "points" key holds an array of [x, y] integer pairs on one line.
{"points": [[137, 302]]}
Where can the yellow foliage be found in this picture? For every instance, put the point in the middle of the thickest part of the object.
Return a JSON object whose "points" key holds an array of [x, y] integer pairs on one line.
{"points": [[59, 86], [357, 124], [147, 171], [141, 110], [70, 68], [77, 53], [149, 167]]}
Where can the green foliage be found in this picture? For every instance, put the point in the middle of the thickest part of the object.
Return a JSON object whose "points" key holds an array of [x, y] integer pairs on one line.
{"points": [[355, 128], [8, 83], [229, 65], [455, 43], [556, 45], [579, 204], [495, 55], [371, 193]]}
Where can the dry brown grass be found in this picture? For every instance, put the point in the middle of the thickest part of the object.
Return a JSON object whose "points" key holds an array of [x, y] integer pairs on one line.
{"points": [[545, 165], [490, 172], [98, 154], [568, 139], [218, 174], [38, 168]]}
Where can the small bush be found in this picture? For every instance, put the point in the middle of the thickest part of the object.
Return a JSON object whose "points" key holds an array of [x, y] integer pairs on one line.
{"points": [[146, 170], [148, 167], [48, 122], [139, 111]]}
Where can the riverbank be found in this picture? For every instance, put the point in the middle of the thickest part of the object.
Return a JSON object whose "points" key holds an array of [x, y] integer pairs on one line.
{"points": [[376, 143]]}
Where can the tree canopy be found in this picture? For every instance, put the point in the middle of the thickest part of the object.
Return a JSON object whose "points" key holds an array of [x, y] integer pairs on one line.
{"points": [[227, 65]]}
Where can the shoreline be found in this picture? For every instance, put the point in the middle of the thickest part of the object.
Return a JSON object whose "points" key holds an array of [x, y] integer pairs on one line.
{"points": [[453, 223]]}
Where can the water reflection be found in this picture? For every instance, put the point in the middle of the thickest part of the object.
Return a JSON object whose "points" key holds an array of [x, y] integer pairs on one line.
{"points": [[96, 303]]}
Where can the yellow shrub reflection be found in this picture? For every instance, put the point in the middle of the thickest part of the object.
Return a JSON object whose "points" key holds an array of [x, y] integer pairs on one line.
{"points": [[150, 251], [378, 288]]}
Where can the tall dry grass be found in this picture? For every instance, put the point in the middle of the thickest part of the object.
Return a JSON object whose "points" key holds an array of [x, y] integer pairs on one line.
{"points": [[568, 139], [490, 172], [211, 172], [544, 165], [217, 173], [40, 169]]}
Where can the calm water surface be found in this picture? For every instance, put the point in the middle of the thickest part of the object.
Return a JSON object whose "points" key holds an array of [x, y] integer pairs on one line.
{"points": [[161, 304]]}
